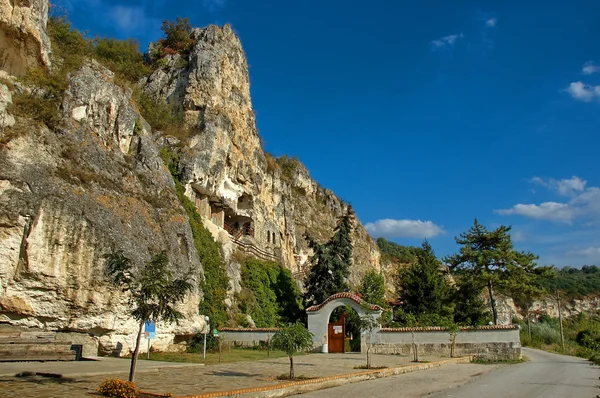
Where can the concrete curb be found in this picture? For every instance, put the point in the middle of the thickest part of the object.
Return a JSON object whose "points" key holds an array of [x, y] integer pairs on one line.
{"points": [[303, 386]]}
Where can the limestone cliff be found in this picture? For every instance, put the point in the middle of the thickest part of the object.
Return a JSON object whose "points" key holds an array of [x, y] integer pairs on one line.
{"points": [[248, 199], [96, 183], [24, 42]]}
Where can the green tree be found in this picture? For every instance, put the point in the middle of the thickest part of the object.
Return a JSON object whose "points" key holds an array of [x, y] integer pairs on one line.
{"points": [[330, 262], [153, 291], [469, 308], [292, 339], [424, 289], [372, 288], [525, 289], [177, 34], [368, 326], [489, 258]]}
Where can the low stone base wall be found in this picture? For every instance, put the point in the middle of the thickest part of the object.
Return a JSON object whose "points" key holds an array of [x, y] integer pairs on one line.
{"points": [[489, 351], [487, 342]]}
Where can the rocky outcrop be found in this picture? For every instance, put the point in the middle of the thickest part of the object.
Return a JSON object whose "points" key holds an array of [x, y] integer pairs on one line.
{"points": [[24, 42], [507, 309], [226, 172], [68, 197]]}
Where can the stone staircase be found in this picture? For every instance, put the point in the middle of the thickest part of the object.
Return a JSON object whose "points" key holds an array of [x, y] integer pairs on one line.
{"points": [[33, 346]]}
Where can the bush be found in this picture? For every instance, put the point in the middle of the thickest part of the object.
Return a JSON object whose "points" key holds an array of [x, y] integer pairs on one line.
{"points": [[177, 39], [588, 339], [545, 333], [118, 388], [270, 294], [122, 57], [43, 102], [69, 46]]}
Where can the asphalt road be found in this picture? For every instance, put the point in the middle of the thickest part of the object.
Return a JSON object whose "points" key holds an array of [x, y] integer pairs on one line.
{"points": [[544, 375]]}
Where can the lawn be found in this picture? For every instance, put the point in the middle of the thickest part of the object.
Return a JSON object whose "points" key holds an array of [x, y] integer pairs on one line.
{"points": [[228, 355]]}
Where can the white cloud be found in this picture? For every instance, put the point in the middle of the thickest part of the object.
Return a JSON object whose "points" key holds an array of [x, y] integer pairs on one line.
{"points": [[553, 211], [491, 22], [446, 40], [389, 228], [567, 187], [584, 203], [590, 67], [592, 251], [583, 92]]}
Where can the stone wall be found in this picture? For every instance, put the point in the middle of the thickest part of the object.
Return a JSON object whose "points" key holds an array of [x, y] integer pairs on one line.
{"points": [[247, 337], [489, 342]]}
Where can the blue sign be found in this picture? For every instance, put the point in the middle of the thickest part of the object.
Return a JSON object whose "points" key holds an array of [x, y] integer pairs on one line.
{"points": [[151, 335], [150, 326]]}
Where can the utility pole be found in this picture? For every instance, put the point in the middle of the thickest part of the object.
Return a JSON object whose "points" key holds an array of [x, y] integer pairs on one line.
{"points": [[560, 320]]}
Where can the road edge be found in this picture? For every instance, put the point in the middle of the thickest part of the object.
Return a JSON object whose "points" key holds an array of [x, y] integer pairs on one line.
{"points": [[303, 386]]}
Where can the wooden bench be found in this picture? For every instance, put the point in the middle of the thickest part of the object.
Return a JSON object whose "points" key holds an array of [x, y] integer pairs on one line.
{"points": [[34, 346]]}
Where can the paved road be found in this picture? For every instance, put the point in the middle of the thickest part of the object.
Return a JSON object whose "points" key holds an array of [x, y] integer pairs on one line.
{"points": [[544, 375]]}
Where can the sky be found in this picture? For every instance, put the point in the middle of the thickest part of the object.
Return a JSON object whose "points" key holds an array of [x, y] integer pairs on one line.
{"points": [[423, 114]]}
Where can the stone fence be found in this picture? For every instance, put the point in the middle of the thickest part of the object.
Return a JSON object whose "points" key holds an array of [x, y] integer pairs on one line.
{"points": [[488, 342], [249, 337]]}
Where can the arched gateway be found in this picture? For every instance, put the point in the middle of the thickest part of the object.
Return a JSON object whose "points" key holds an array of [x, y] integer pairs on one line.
{"points": [[318, 315]]}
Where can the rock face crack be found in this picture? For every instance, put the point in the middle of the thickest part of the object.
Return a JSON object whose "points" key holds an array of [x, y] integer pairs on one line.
{"points": [[23, 262]]}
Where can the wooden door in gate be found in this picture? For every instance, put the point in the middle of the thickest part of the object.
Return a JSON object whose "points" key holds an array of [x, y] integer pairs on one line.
{"points": [[336, 336]]}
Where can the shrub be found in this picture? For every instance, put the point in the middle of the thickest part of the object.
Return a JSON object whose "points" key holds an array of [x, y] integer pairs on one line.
{"points": [[122, 57], [69, 46], [269, 293], [289, 166], [118, 388], [177, 39], [545, 333], [43, 102]]}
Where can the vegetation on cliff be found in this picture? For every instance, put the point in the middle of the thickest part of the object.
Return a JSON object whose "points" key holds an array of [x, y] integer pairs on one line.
{"points": [[269, 294], [215, 284]]}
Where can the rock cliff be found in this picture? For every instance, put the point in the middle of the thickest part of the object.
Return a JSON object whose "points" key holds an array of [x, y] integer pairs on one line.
{"points": [[71, 194], [242, 192]]}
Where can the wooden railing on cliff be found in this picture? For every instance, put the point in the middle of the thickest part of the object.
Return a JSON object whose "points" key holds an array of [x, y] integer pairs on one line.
{"points": [[251, 249]]}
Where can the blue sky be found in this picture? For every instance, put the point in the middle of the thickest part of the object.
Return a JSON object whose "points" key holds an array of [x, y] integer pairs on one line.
{"points": [[424, 115]]}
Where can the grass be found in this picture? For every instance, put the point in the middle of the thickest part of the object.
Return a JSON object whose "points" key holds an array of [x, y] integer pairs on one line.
{"points": [[286, 376], [370, 367], [227, 356], [483, 361]]}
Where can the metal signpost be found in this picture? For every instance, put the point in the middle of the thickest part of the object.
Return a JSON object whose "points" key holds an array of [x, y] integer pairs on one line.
{"points": [[206, 329], [150, 329]]}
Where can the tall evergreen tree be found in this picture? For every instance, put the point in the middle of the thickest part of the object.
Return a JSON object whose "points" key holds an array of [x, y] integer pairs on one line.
{"points": [[424, 289], [330, 262], [470, 309], [490, 260]]}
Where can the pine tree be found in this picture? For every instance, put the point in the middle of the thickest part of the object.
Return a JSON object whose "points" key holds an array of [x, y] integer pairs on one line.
{"points": [[470, 309], [490, 260], [330, 262], [424, 290]]}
